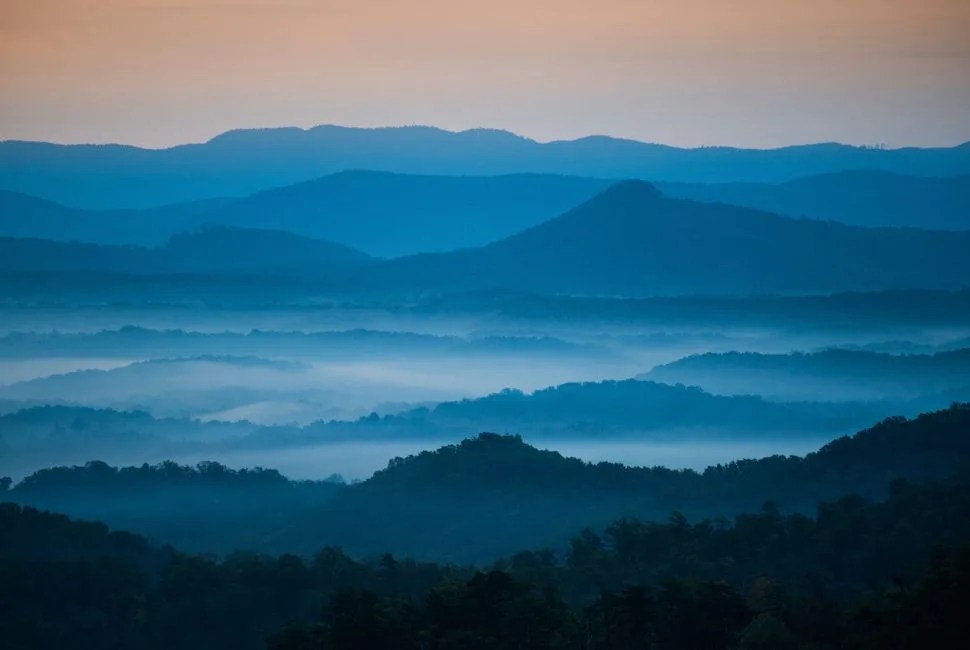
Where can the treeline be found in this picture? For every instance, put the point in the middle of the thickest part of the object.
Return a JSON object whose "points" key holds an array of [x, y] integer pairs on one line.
{"points": [[586, 408], [205, 508], [858, 575], [351, 343], [486, 497]]}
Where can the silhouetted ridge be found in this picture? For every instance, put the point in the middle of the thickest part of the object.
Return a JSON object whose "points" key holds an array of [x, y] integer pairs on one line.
{"points": [[257, 137], [631, 190], [241, 162], [864, 197], [493, 495], [217, 250], [248, 244], [487, 461], [630, 240]]}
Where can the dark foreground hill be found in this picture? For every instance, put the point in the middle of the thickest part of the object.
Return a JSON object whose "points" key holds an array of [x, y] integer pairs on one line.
{"points": [[493, 495], [632, 241], [490, 495], [857, 575], [241, 162]]}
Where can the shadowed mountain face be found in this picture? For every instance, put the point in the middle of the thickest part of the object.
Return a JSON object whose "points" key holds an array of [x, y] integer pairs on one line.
{"points": [[390, 215], [627, 241], [631, 241], [395, 214], [241, 162], [381, 213], [860, 198], [240, 249], [24, 216], [211, 250]]}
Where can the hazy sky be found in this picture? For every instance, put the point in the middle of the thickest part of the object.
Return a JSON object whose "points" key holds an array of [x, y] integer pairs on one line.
{"points": [[684, 72]]}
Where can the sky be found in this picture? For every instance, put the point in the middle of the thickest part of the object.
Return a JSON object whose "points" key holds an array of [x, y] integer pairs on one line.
{"points": [[755, 73]]}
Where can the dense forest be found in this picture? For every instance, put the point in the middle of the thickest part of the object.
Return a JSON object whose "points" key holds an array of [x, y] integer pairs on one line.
{"points": [[858, 574]]}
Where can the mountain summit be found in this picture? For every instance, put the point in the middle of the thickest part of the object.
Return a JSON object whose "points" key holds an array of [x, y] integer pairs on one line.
{"points": [[630, 240]]}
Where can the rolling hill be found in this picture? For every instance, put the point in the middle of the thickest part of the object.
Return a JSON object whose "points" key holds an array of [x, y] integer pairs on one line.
{"points": [[829, 375], [493, 495], [630, 410]]}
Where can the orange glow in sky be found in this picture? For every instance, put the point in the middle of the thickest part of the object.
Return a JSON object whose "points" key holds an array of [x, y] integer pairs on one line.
{"points": [[685, 72]]}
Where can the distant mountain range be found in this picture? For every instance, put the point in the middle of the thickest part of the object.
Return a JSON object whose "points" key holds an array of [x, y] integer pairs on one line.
{"points": [[239, 163], [859, 198], [632, 241], [629, 240], [392, 215], [383, 214], [396, 214]]}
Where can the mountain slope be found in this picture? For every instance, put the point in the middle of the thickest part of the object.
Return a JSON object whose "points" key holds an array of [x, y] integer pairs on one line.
{"points": [[216, 250], [631, 241], [860, 198], [396, 214], [829, 375], [223, 249], [381, 213], [238, 163], [24, 216], [491, 495]]}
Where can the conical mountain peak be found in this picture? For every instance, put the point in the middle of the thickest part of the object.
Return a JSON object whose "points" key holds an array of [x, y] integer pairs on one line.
{"points": [[629, 191]]}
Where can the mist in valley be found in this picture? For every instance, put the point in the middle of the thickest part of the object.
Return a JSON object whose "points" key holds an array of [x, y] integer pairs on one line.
{"points": [[313, 391]]}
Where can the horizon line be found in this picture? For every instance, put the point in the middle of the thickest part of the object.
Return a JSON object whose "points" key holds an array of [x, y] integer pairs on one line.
{"points": [[506, 132]]}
